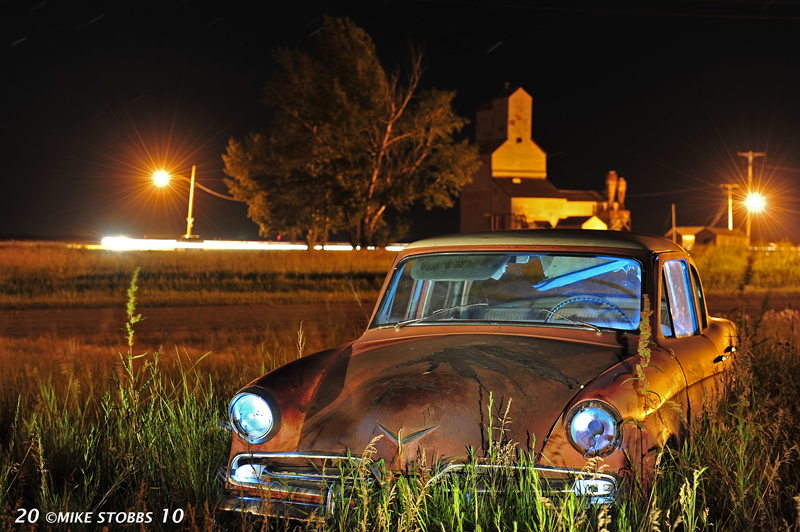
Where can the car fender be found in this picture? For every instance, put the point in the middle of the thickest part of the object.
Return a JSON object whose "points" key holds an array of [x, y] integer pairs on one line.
{"points": [[293, 386], [651, 410]]}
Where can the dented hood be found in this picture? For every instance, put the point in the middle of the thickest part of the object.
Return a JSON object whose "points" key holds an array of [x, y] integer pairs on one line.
{"points": [[433, 394]]}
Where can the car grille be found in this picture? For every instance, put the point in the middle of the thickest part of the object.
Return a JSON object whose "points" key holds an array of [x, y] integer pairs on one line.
{"points": [[307, 467], [592, 488], [301, 484], [298, 480]]}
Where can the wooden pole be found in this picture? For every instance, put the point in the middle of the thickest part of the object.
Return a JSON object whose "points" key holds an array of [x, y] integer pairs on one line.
{"points": [[674, 227], [729, 187]]}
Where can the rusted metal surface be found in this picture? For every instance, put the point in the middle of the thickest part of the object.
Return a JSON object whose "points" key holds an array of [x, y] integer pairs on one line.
{"points": [[425, 390]]}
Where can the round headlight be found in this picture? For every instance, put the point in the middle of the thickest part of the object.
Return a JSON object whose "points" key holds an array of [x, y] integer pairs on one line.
{"points": [[253, 415], [594, 428]]}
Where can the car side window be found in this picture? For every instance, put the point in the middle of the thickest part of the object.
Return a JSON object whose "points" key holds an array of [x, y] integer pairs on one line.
{"points": [[666, 319], [681, 298], [701, 301]]}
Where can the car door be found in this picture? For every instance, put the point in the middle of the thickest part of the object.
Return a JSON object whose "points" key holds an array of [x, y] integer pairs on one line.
{"points": [[722, 334], [685, 330]]}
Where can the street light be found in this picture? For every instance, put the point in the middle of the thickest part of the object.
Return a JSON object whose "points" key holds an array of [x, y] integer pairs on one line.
{"points": [[754, 203], [161, 179], [750, 194]]}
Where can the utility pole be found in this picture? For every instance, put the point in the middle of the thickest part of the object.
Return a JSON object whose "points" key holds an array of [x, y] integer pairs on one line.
{"points": [[674, 228], [729, 187], [750, 154], [189, 219]]}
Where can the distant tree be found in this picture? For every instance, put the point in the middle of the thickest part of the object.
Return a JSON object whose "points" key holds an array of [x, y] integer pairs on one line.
{"points": [[347, 142]]}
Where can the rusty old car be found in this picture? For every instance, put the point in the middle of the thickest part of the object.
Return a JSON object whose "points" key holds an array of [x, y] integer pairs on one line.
{"points": [[548, 323]]}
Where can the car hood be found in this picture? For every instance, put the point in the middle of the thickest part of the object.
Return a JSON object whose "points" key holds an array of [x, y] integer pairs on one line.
{"points": [[434, 394]]}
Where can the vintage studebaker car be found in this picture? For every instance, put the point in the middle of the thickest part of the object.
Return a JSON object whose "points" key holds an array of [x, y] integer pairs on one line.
{"points": [[548, 320]]}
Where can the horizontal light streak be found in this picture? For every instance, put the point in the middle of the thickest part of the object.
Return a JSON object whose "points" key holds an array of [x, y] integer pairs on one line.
{"points": [[122, 243]]}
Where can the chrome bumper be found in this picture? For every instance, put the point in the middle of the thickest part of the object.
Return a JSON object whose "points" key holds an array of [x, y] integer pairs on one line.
{"points": [[296, 485], [299, 485], [275, 507], [590, 488]]}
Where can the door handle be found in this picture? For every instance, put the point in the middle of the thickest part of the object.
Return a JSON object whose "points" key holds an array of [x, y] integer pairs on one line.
{"points": [[729, 351]]}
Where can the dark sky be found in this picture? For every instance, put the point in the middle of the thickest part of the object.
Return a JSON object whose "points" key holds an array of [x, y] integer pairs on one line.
{"points": [[96, 94]]}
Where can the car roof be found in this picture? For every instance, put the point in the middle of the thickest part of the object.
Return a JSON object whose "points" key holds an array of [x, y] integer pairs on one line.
{"points": [[553, 237]]}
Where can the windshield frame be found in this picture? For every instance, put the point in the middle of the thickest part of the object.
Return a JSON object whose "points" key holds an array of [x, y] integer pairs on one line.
{"points": [[390, 287]]}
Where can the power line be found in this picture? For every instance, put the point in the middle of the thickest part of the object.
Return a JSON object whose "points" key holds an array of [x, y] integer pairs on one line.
{"points": [[614, 11], [784, 168], [756, 2], [667, 193]]}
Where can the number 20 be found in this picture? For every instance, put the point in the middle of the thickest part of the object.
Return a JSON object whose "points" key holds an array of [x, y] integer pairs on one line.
{"points": [[33, 515]]}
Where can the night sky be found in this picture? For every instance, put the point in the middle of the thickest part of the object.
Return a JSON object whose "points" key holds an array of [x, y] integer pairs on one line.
{"points": [[97, 95]]}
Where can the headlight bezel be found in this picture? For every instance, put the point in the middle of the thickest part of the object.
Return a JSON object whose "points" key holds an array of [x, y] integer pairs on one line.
{"points": [[589, 404], [271, 403]]}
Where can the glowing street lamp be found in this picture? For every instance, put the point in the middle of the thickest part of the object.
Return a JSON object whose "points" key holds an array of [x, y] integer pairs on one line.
{"points": [[161, 179], [754, 203]]}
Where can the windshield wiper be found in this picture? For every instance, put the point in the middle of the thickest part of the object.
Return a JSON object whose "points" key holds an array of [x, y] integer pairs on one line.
{"points": [[576, 322], [398, 325]]}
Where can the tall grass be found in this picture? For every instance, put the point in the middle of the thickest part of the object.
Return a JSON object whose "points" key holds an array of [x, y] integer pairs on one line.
{"points": [[727, 268], [61, 277], [137, 431], [97, 437], [776, 269], [722, 268]]}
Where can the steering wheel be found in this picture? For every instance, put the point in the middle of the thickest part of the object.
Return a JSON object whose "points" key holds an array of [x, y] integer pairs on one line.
{"points": [[587, 299]]}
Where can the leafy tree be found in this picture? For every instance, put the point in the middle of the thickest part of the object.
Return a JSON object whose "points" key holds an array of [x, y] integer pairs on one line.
{"points": [[347, 142]]}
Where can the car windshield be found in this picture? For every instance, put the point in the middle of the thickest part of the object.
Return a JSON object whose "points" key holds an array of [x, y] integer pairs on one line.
{"points": [[519, 288]]}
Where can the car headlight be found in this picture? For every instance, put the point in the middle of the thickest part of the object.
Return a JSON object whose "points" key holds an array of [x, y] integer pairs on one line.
{"points": [[254, 415], [594, 428]]}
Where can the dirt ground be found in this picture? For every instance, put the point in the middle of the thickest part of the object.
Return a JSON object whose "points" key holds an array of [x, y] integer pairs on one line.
{"points": [[753, 302], [201, 326]]}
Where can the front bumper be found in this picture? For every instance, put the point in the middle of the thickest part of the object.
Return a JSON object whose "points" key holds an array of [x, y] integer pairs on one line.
{"points": [[296, 485], [300, 485]]}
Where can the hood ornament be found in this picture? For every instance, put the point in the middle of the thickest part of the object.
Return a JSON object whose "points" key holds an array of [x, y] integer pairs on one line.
{"points": [[401, 441]]}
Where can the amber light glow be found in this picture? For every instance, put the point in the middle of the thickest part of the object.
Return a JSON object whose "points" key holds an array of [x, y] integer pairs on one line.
{"points": [[755, 202], [161, 178]]}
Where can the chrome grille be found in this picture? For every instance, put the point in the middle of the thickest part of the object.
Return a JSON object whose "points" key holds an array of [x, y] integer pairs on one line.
{"points": [[314, 469], [592, 488]]}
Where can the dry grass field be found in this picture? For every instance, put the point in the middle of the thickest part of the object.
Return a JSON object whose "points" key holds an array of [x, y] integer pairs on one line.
{"points": [[220, 302], [91, 425], [57, 276]]}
